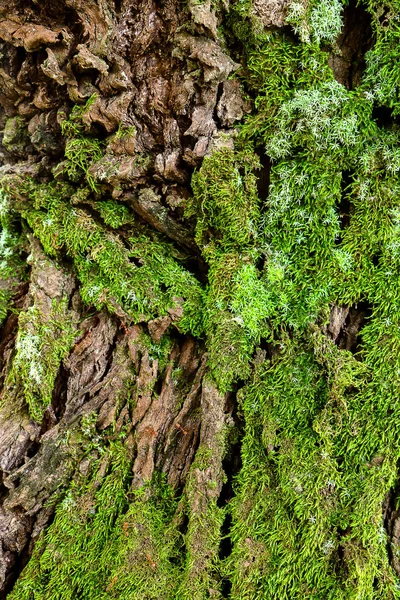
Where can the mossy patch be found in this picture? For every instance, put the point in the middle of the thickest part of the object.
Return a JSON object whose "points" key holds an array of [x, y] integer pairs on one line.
{"points": [[43, 341], [12, 244], [320, 448]]}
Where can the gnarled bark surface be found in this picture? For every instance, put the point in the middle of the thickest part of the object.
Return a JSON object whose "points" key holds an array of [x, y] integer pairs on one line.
{"points": [[199, 345], [158, 72]]}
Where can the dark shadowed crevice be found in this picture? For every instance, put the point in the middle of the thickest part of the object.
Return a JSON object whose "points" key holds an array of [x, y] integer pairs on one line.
{"points": [[383, 116], [3, 488], [346, 324], [17, 561], [51, 12], [231, 465], [110, 353], [33, 448], [59, 398], [344, 208], [158, 385], [118, 6], [198, 267], [340, 566], [348, 60], [354, 323], [384, 17], [267, 351]]}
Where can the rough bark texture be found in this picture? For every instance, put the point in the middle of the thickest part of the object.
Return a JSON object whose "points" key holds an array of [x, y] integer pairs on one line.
{"points": [[199, 369], [159, 72]]}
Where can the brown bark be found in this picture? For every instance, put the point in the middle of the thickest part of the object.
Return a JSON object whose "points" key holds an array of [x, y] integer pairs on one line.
{"points": [[162, 69]]}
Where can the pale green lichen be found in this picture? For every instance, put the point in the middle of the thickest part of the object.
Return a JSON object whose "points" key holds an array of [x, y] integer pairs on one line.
{"points": [[317, 22], [43, 341]]}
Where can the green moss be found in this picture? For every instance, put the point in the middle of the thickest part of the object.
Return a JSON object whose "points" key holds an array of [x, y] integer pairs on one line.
{"points": [[12, 265], [159, 351], [146, 278], [381, 81], [146, 553], [107, 541], [123, 132], [81, 148], [80, 153], [320, 451], [320, 446], [114, 213], [315, 21], [305, 413], [202, 572], [226, 206], [68, 562], [225, 198], [43, 341]]}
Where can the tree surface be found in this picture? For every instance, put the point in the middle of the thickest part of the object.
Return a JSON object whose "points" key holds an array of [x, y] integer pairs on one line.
{"points": [[199, 299]]}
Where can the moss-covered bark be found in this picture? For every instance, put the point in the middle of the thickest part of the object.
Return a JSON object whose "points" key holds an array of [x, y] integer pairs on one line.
{"points": [[199, 300]]}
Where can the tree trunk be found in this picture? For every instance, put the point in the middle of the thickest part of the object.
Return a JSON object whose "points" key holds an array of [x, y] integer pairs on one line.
{"points": [[200, 348]]}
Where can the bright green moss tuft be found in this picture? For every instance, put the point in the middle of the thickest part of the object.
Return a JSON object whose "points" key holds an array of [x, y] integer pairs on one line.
{"points": [[67, 564], [146, 278], [320, 447], [114, 213], [81, 148], [225, 198], [107, 541], [146, 553], [226, 206]]}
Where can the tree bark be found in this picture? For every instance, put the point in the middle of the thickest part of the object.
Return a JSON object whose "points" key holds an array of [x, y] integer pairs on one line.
{"points": [[159, 72], [142, 435]]}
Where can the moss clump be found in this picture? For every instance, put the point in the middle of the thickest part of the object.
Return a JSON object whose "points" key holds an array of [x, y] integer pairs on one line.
{"points": [[81, 148], [226, 206], [146, 553], [381, 81], [320, 449], [43, 341], [315, 21], [68, 562], [202, 568], [107, 541], [141, 275], [318, 418], [114, 213], [12, 266], [225, 198]]}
